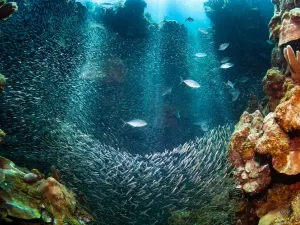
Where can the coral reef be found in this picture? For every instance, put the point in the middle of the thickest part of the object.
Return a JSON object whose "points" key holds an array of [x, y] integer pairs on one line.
{"points": [[27, 195], [253, 174], [127, 20], [290, 27], [287, 112], [293, 60], [272, 142], [273, 87], [7, 9]]}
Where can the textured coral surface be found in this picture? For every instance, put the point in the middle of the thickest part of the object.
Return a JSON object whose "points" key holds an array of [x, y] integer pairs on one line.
{"points": [[27, 195]]}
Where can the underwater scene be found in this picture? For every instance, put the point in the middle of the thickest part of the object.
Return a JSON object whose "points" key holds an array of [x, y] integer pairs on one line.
{"points": [[149, 112]]}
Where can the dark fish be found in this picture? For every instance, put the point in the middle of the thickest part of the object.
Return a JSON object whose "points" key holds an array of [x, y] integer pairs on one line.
{"points": [[189, 19]]}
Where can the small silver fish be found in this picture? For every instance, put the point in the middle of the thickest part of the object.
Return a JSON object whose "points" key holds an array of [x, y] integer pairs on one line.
{"points": [[202, 31], [235, 94], [223, 46], [167, 91], [178, 115], [243, 79], [230, 84], [136, 123], [200, 55], [225, 60], [226, 65], [107, 5], [203, 124], [190, 83], [270, 42]]}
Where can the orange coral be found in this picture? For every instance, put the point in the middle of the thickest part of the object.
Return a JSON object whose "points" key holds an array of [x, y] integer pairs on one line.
{"points": [[288, 111], [58, 200], [274, 141], [243, 140], [288, 163], [253, 176]]}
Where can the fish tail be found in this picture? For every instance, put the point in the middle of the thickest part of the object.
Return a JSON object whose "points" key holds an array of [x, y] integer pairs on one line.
{"points": [[181, 80], [124, 123]]}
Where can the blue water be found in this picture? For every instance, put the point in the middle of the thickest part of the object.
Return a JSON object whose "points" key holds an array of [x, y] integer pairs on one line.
{"points": [[74, 78]]}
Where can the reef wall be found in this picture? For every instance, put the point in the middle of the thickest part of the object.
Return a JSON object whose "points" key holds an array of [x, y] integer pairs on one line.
{"points": [[265, 147]]}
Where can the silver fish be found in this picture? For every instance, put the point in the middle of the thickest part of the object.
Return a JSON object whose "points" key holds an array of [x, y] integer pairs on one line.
{"points": [[243, 79], [223, 46], [202, 31], [190, 83], [230, 84], [136, 123], [203, 124], [167, 91], [225, 60], [226, 65], [200, 55], [235, 94]]}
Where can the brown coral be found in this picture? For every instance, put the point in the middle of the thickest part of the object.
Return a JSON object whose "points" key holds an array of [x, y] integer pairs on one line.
{"points": [[274, 141], [274, 27], [290, 27], [27, 196], [253, 176], [288, 111], [58, 200], [273, 87], [243, 140]]}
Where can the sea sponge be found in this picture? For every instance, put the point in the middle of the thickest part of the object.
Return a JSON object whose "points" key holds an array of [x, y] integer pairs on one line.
{"points": [[293, 59], [290, 27]]}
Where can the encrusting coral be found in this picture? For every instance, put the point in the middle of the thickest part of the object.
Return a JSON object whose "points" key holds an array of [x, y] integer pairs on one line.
{"points": [[27, 195], [253, 175], [265, 149], [288, 111], [273, 87]]}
